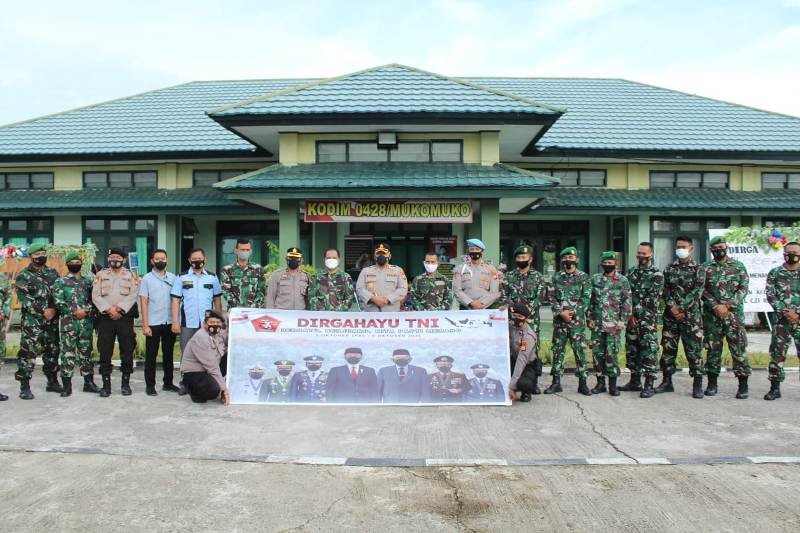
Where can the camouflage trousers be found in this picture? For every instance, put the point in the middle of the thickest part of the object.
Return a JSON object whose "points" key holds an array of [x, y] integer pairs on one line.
{"points": [[76, 346], [38, 337], [605, 353], [2, 342], [732, 330], [641, 348], [575, 335], [691, 333], [782, 334]]}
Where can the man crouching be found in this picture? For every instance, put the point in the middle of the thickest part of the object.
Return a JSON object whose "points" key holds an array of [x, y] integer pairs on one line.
{"points": [[524, 357], [200, 363]]}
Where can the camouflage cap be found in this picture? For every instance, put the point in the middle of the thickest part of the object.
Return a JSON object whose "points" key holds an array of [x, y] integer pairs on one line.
{"points": [[568, 250], [717, 240], [608, 255], [72, 256], [36, 247], [523, 249]]}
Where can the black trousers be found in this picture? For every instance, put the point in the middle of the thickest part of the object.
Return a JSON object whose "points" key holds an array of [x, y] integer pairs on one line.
{"points": [[161, 335], [201, 386], [529, 379], [107, 332]]}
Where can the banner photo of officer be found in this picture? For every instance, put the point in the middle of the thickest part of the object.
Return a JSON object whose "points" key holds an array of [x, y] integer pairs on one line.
{"points": [[321, 358]]}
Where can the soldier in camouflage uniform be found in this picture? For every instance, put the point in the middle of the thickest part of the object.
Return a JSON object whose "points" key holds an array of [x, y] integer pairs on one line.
{"points": [[39, 334], [569, 294], [641, 340], [525, 284], [783, 294], [276, 390], [431, 291], [331, 289], [243, 282], [723, 316], [684, 280], [5, 314], [73, 300], [609, 309]]}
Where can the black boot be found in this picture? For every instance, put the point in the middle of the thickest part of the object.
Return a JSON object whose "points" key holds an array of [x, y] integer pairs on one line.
{"points": [[67, 387], [711, 389], [125, 388], [555, 386], [89, 385], [665, 385], [583, 388], [601, 385], [525, 397], [697, 387], [743, 393], [612, 387], [3, 397], [774, 391], [25, 390], [105, 392], [536, 389], [52, 383], [647, 391], [635, 384]]}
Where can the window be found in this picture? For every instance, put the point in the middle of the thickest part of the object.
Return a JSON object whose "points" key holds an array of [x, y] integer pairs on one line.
{"points": [[779, 180], [132, 234], [22, 180], [120, 180], [547, 238], [25, 231], [207, 178], [665, 230], [689, 180], [406, 151], [580, 177]]}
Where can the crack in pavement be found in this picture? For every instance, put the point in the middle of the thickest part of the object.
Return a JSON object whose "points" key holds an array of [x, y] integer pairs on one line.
{"points": [[316, 516], [594, 428], [445, 477]]}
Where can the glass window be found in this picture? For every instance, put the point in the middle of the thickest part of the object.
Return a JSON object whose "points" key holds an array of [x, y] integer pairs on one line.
{"points": [[793, 181], [331, 152], [2, 181], [659, 180], [771, 180], [94, 224], [18, 181], [118, 225], [26, 231], [569, 178], [689, 180], [366, 152], [414, 152], [92, 180], [228, 174], [663, 225], [205, 178], [144, 224], [445, 151], [42, 181], [715, 180], [130, 234], [18, 225], [145, 179], [592, 178], [120, 180], [21, 180], [689, 225]]}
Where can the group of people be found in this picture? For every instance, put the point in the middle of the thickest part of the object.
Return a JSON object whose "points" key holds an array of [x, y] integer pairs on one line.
{"points": [[702, 307]]}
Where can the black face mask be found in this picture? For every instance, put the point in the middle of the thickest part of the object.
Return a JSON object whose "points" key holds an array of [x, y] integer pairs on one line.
{"points": [[792, 259], [74, 268], [402, 362], [444, 369], [284, 371], [197, 265], [213, 330], [381, 259], [160, 265], [256, 376], [113, 263], [352, 360], [519, 321], [476, 255], [293, 264], [480, 375], [39, 261], [522, 264], [568, 263], [608, 269], [719, 254], [313, 368]]}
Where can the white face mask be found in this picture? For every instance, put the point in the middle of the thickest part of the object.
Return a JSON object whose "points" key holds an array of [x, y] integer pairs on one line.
{"points": [[331, 263], [682, 253], [243, 255], [430, 268]]}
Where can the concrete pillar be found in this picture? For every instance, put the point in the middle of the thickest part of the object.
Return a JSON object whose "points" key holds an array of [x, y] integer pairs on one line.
{"points": [[490, 229], [638, 230], [322, 237], [288, 225]]}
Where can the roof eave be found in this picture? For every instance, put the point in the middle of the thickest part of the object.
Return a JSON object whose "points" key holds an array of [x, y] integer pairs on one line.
{"points": [[256, 153], [766, 155]]}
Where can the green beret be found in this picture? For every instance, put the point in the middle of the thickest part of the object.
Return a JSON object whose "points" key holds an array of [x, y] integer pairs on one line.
{"points": [[568, 250], [37, 247], [717, 240], [608, 255], [72, 256], [523, 249]]}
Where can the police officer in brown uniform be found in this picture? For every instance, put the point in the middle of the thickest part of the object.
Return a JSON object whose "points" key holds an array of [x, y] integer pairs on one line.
{"points": [[288, 286], [114, 293], [476, 284], [382, 287]]}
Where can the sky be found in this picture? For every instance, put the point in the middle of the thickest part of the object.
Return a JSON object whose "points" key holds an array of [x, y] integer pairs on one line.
{"points": [[56, 56]]}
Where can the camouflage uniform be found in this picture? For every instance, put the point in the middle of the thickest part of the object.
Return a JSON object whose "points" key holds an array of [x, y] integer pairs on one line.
{"points": [[529, 288], [276, 389], [243, 286], [5, 312], [38, 336], [71, 293], [783, 294], [331, 291], [431, 293], [683, 286], [569, 292], [641, 340], [609, 309], [726, 283]]}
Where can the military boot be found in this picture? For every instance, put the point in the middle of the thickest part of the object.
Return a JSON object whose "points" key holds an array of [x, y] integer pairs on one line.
{"points": [[25, 390], [635, 384], [774, 391], [3, 397], [601, 385], [583, 388], [612, 387], [89, 385], [665, 385], [697, 387], [555, 386], [125, 388], [525, 397], [743, 393], [105, 392], [711, 389], [52, 383], [67, 386], [647, 391], [536, 389]]}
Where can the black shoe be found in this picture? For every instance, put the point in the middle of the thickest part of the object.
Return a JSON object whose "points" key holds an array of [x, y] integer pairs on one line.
{"points": [[52, 383], [170, 387], [774, 391], [743, 393], [536, 389], [67, 386], [105, 392], [182, 390], [601, 385], [697, 387], [635, 384], [3, 397], [525, 397], [150, 390], [25, 390], [555, 386], [125, 387], [711, 389], [647, 391], [583, 388], [89, 385], [665, 385], [612, 387]]}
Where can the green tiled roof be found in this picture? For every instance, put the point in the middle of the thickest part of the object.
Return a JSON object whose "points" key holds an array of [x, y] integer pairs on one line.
{"points": [[387, 176], [388, 89]]}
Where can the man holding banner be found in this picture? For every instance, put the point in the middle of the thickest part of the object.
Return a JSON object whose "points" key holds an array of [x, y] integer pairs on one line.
{"points": [[783, 294]]}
